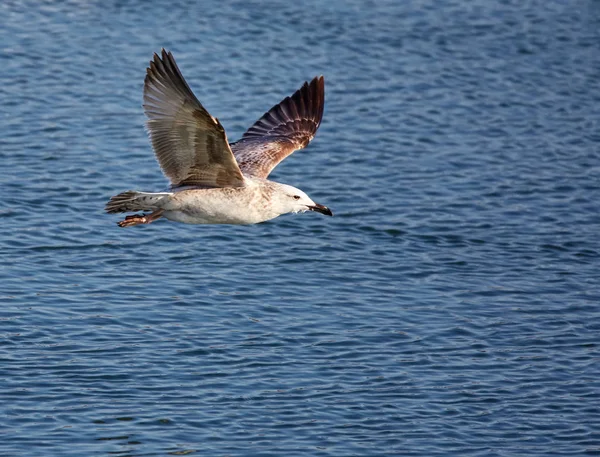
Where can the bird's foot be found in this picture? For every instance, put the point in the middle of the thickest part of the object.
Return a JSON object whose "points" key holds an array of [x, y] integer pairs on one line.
{"points": [[138, 219]]}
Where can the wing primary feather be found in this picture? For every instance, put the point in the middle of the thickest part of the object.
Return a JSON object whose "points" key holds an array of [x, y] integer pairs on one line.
{"points": [[286, 127], [190, 145]]}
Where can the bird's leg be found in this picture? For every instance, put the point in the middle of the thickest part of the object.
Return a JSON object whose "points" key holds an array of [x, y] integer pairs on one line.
{"points": [[138, 219]]}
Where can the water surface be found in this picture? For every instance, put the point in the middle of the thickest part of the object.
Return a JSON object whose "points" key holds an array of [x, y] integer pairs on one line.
{"points": [[449, 308]]}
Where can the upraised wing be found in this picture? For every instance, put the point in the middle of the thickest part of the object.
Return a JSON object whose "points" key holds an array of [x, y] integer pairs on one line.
{"points": [[190, 145], [283, 129]]}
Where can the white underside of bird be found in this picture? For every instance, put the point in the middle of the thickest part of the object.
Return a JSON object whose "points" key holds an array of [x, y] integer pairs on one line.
{"points": [[257, 201]]}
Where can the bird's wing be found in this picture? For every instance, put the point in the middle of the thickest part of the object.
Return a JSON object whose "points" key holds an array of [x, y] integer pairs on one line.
{"points": [[285, 128], [190, 145]]}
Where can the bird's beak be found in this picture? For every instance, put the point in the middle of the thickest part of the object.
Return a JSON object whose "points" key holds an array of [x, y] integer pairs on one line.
{"points": [[321, 209]]}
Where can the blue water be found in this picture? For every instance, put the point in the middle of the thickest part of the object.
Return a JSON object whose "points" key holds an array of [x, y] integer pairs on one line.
{"points": [[451, 306]]}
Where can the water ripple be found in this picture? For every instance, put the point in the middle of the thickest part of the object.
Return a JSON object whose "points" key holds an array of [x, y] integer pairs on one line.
{"points": [[450, 307]]}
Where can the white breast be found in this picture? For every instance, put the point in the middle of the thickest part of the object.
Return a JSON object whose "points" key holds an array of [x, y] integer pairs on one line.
{"points": [[241, 205]]}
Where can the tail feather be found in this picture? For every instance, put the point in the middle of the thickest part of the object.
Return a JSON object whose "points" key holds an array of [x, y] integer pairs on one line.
{"points": [[135, 201]]}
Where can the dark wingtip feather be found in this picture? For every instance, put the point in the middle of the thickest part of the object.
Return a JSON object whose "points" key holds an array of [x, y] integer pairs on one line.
{"points": [[296, 117], [164, 73], [286, 127]]}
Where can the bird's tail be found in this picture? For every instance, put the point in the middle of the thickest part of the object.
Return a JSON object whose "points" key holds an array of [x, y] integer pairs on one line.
{"points": [[135, 201]]}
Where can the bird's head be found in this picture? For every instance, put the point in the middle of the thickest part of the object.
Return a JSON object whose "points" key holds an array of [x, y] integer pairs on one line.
{"points": [[288, 199]]}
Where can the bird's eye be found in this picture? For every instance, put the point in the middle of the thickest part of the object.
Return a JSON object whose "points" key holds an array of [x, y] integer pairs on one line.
{"points": [[296, 197]]}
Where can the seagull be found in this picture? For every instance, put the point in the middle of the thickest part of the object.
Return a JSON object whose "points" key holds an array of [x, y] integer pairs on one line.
{"points": [[214, 181]]}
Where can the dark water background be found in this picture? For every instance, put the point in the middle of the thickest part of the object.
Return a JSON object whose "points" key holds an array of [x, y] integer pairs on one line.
{"points": [[449, 308]]}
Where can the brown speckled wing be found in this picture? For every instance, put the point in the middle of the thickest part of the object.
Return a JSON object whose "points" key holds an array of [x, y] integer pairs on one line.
{"points": [[283, 129], [190, 145]]}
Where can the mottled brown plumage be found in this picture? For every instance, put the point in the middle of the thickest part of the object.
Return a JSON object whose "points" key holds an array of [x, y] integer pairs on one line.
{"points": [[190, 144], [285, 128]]}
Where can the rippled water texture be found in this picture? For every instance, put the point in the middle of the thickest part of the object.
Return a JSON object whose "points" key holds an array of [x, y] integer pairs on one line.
{"points": [[449, 308]]}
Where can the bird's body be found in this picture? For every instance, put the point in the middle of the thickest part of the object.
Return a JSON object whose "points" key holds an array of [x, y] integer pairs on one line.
{"points": [[249, 204], [245, 205], [212, 181]]}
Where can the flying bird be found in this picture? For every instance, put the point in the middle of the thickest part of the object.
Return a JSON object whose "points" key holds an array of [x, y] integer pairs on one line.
{"points": [[214, 181]]}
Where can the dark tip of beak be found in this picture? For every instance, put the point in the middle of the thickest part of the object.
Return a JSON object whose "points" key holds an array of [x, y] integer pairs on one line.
{"points": [[321, 209]]}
